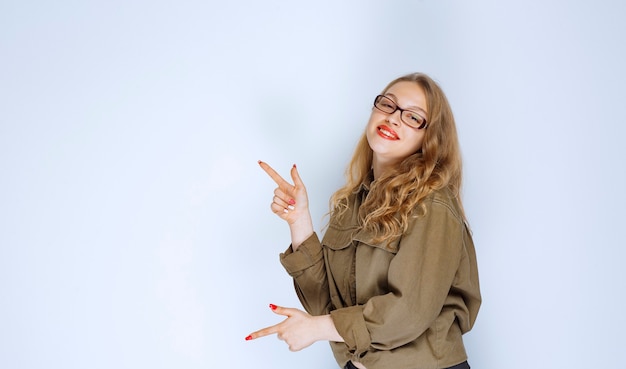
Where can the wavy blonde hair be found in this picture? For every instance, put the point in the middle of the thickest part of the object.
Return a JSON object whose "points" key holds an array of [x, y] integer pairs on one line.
{"points": [[401, 189]]}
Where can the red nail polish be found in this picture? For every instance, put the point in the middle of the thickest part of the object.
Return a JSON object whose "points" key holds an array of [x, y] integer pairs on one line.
{"points": [[248, 338], [295, 166], [272, 306], [292, 202]]}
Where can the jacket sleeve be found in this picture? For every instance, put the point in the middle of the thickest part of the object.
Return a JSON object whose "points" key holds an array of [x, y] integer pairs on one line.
{"points": [[434, 266], [306, 267]]}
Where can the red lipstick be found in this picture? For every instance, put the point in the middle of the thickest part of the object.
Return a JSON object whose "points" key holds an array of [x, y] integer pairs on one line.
{"points": [[387, 133]]}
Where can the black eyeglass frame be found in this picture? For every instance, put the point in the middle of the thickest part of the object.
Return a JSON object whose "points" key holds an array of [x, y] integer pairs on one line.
{"points": [[379, 97]]}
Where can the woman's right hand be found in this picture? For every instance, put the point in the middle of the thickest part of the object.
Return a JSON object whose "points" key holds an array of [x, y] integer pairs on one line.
{"points": [[291, 203]]}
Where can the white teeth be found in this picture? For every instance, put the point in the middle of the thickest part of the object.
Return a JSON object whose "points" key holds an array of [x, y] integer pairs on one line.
{"points": [[387, 133]]}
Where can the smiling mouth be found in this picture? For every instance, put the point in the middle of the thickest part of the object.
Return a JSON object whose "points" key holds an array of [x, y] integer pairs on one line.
{"points": [[386, 133]]}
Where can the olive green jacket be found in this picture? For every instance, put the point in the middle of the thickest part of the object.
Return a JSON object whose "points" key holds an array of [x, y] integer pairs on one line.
{"points": [[402, 305]]}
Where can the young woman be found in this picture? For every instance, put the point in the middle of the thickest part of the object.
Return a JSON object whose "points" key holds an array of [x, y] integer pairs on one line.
{"points": [[394, 283]]}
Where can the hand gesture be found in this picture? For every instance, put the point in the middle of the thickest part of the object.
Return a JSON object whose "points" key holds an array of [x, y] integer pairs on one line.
{"points": [[298, 330], [291, 203]]}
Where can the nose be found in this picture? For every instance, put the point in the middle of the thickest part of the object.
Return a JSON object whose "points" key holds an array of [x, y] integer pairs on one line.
{"points": [[395, 117]]}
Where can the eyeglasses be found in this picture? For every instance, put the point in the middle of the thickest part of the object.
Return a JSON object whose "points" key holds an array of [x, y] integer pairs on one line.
{"points": [[408, 117]]}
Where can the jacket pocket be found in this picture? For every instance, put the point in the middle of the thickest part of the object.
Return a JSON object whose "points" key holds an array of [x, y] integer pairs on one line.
{"points": [[367, 238], [338, 238]]}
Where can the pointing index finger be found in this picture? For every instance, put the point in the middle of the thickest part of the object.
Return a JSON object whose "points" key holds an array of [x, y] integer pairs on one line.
{"points": [[264, 332], [273, 174]]}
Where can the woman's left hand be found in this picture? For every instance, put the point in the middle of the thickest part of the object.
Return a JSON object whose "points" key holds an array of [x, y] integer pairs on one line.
{"points": [[299, 330]]}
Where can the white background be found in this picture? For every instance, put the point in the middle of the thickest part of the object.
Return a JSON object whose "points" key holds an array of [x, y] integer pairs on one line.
{"points": [[135, 229]]}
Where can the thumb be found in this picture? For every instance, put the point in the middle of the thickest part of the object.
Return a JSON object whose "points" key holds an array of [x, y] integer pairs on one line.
{"points": [[280, 310], [297, 181]]}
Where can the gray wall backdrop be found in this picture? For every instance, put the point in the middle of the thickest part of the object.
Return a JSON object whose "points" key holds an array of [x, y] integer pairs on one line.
{"points": [[135, 229]]}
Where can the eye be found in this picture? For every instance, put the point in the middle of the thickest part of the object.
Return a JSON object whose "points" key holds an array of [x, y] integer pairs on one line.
{"points": [[387, 103], [413, 119], [416, 118]]}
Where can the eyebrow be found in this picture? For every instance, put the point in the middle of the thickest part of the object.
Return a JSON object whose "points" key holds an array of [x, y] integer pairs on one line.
{"points": [[410, 107]]}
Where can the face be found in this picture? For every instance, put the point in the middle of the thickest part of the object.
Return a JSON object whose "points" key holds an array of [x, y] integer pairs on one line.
{"points": [[389, 138]]}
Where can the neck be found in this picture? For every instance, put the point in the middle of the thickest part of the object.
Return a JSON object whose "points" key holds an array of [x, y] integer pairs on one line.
{"points": [[380, 166]]}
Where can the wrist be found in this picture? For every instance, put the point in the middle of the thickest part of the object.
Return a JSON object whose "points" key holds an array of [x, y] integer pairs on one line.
{"points": [[327, 329], [298, 239], [300, 232]]}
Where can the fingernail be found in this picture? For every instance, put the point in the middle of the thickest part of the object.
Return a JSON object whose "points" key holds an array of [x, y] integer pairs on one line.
{"points": [[292, 201], [248, 338], [272, 306], [259, 162], [285, 211], [294, 166], [291, 207]]}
